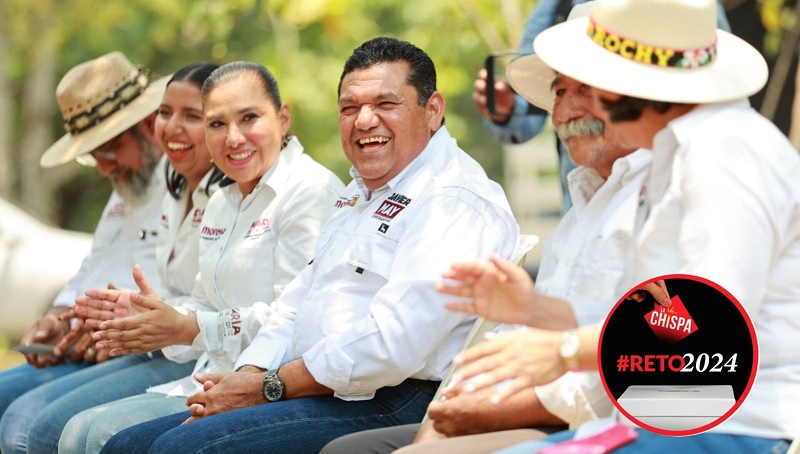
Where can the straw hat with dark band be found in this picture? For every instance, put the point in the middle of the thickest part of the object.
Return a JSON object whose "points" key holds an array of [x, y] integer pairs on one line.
{"points": [[99, 100]]}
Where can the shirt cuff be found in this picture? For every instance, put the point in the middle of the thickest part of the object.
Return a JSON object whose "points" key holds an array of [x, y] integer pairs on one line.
{"points": [[210, 333], [575, 398], [333, 368], [266, 354]]}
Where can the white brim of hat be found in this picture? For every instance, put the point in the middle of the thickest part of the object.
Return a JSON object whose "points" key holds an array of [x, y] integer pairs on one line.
{"points": [[532, 79], [738, 71], [70, 146]]}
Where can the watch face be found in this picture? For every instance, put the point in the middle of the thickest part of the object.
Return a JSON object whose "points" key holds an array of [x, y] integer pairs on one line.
{"points": [[273, 389]]}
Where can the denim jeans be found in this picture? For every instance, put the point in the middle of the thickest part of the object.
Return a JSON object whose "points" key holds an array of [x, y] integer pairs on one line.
{"points": [[90, 429], [33, 422], [21, 379], [651, 443], [293, 426]]}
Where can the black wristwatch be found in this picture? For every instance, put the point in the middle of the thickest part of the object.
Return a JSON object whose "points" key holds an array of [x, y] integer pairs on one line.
{"points": [[273, 389]]}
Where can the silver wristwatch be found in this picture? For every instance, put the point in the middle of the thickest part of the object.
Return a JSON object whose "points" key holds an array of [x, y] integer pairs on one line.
{"points": [[273, 389]]}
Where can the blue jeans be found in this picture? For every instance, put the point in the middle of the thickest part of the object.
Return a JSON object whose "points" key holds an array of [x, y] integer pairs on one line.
{"points": [[293, 426], [89, 430], [21, 379], [34, 421], [651, 443]]}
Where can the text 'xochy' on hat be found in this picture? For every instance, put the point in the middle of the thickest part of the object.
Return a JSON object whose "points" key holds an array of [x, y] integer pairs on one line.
{"points": [[662, 50]]}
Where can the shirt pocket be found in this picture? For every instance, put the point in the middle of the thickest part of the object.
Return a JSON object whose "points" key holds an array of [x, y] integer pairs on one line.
{"points": [[367, 265]]}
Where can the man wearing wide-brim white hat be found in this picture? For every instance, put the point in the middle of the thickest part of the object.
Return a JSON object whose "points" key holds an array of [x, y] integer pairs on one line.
{"points": [[723, 193], [108, 107]]}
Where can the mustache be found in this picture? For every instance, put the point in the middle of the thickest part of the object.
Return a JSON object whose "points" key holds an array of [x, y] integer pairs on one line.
{"points": [[580, 128]]}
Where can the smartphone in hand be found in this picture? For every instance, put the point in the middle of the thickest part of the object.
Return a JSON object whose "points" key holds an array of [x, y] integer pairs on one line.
{"points": [[34, 348]]}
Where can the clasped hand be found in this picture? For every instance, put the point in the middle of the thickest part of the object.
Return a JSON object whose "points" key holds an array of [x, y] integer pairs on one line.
{"points": [[225, 392]]}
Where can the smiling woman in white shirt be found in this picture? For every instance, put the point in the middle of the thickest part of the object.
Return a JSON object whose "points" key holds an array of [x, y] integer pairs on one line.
{"points": [[257, 233]]}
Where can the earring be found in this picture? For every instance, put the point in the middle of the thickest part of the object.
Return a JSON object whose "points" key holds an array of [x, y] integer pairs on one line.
{"points": [[285, 142], [211, 159]]}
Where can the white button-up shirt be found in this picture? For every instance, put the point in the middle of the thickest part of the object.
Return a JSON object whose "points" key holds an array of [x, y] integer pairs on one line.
{"points": [[250, 248], [588, 261], [366, 314], [177, 248], [724, 194], [125, 235]]}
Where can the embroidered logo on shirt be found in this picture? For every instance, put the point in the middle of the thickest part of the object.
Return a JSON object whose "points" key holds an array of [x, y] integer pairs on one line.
{"points": [[164, 220], [197, 216], [389, 210], [258, 228], [231, 322], [211, 233], [671, 324], [390, 207], [345, 202], [116, 210], [383, 228]]}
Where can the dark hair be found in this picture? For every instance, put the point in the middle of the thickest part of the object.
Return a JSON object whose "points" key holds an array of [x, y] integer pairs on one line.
{"points": [[628, 108], [421, 74], [239, 70], [196, 73]]}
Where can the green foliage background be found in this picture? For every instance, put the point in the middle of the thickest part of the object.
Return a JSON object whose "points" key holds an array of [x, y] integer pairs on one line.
{"points": [[304, 43]]}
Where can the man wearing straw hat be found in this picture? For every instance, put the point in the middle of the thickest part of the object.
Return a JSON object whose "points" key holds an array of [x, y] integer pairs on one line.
{"points": [[108, 107], [722, 197]]}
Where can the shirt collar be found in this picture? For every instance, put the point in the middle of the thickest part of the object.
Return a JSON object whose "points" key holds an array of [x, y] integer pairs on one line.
{"points": [[200, 190], [428, 155], [584, 182], [668, 141], [692, 123], [279, 172]]}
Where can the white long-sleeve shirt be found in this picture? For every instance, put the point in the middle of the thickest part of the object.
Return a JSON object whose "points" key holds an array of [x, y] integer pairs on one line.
{"points": [[125, 235], [724, 194], [177, 248], [250, 248], [365, 314], [588, 261]]}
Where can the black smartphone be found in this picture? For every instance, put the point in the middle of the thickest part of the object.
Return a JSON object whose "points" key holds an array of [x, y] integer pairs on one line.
{"points": [[34, 348], [495, 65]]}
